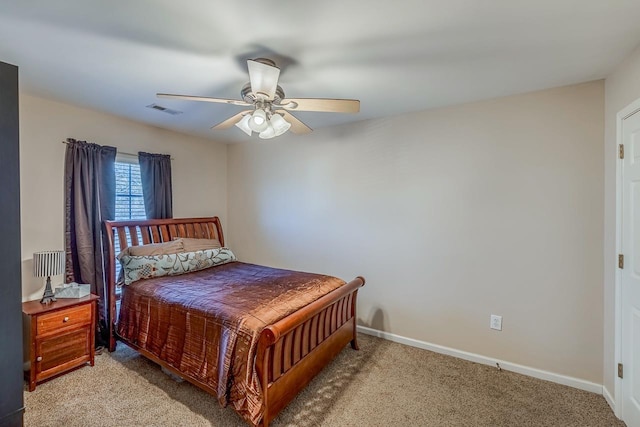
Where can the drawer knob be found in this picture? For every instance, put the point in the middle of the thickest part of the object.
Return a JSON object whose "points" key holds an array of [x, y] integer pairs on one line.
{"points": [[66, 319], [39, 359]]}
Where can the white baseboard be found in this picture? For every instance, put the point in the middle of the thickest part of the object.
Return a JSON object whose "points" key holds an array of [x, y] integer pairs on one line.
{"points": [[609, 398], [508, 366]]}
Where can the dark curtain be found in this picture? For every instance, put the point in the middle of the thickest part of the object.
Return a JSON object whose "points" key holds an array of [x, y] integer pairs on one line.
{"points": [[90, 198], [155, 171]]}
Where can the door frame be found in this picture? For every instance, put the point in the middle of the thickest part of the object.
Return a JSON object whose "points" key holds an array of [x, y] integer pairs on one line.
{"points": [[623, 114]]}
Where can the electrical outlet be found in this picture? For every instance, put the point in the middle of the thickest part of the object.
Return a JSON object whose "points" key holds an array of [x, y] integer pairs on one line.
{"points": [[496, 322]]}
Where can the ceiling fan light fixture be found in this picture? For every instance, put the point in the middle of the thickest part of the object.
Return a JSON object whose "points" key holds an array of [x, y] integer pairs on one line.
{"points": [[279, 124], [243, 124], [268, 133], [258, 121]]}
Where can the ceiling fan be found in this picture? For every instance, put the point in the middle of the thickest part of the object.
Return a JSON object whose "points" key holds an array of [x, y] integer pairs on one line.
{"points": [[270, 115]]}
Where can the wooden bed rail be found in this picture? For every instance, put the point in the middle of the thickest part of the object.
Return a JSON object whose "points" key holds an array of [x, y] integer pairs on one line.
{"points": [[130, 233], [292, 351], [272, 333]]}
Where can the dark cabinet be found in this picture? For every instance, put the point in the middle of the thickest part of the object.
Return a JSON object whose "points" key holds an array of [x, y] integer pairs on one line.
{"points": [[11, 385]]}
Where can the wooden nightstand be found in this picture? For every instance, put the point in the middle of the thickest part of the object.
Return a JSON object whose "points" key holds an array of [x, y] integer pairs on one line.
{"points": [[60, 336]]}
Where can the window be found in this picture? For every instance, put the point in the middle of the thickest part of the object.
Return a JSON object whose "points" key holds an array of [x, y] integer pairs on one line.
{"points": [[129, 200]]}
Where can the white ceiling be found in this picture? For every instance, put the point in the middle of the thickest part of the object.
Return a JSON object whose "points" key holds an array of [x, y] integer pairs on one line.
{"points": [[395, 57]]}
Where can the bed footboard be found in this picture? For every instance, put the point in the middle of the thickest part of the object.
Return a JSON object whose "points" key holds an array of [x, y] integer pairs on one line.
{"points": [[292, 351]]}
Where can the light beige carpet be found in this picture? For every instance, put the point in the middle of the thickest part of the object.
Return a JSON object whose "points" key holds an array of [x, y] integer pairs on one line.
{"points": [[383, 384]]}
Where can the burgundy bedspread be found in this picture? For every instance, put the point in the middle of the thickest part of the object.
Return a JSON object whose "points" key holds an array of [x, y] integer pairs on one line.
{"points": [[207, 324]]}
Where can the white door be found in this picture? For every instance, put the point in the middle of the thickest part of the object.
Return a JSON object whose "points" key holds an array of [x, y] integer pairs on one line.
{"points": [[630, 274]]}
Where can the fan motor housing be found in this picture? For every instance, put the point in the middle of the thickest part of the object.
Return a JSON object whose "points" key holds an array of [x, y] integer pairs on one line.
{"points": [[248, 96]]}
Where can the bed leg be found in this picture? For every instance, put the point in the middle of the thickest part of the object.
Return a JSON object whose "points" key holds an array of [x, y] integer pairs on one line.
{"points": [[354, 340], [354, 344], [112, 342]]}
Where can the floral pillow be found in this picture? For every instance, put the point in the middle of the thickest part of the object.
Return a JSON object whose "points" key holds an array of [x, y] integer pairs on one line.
{"points": [[144, 267]]}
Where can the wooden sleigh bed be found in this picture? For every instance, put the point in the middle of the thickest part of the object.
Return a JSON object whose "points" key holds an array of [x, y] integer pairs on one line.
{"points": [[290, 352]]}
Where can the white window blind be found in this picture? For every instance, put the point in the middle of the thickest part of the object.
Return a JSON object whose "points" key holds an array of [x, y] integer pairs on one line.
{"points": [[129, 200]]}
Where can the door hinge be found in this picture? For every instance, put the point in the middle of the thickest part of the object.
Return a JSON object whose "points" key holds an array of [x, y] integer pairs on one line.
{"points": [[619, 370], [621, 151], [620, 261]]}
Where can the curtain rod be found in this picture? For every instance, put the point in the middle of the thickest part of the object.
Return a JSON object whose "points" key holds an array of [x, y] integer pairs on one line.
{"points": [[118, 151]]}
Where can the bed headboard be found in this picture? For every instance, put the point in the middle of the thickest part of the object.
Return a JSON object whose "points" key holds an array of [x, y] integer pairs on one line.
{"points": [[142, 232]]}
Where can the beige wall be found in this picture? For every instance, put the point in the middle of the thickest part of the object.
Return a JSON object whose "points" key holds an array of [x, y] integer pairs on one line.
{"points": [[451, 215], [198, 168], [622, 87]]}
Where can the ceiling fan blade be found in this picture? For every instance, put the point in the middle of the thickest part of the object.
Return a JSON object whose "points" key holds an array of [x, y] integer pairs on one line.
{"points": [[203, 99], [320, 104], [231, 120], [263, 77], [296, 125]]}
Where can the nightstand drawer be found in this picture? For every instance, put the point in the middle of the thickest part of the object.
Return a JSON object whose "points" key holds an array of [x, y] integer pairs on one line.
{"points": [[80, 315]]}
